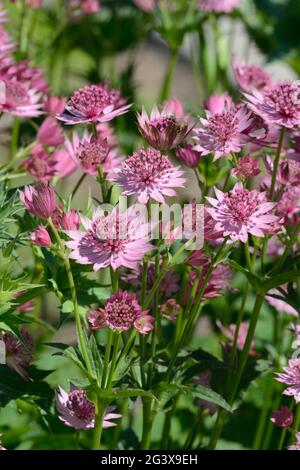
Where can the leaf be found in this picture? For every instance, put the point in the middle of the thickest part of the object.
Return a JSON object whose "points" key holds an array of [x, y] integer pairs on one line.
{"points": [[124, 393], [279, 280], [254, 280], [209, 395]]}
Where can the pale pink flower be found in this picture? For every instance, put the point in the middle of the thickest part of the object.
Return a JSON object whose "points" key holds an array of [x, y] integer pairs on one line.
{"points": [[291, 377], [33, 79], [240, 212], [170, 309], [218, 103], [118, 239], [188, 155], [251, 77], [41, 164], [164, 130], [65, 163], [175, 107], [148, 174], [219, 6], [19, 100], [121, 312], [288, 206], [218, 281], [55, 105], [6, 43], [221, 133], [50, 134], [288, 172], [247, 167], [94, 103], [70, 220], [279, 303], [283, 417], [105, 131], [40, 237], [296, 445], [19, 354], [75, 410], [39, 200], [278, 104], [229, 332]]}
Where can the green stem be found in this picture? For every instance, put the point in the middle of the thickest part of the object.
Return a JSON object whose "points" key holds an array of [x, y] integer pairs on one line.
{"points": [[78, 184], [146, 433], [80, 332], [14, 139], [107, 357], [100, 410], [165, 91], [276, 162], [116, 345]]}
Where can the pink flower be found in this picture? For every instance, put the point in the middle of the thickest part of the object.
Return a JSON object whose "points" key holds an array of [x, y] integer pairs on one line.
{"points": [[251, 77], [90, 6], [289, 205], [170, 309], [241, 212], [76, 411], [50, 134], [31, 78], [94, 103], [278, 104], [19, 100], [219, 280], [6, 44], [65, 164], [148, 174], [118, 239], [216, 104], [247, 168], [40, 237], [221, 133], [279, 304], [175, 107], [40, 164], [283, 418], [291, 377], [296, 445], [122, 312], [39, 200], [219, 6], [70, 220], [19, 354], [34, 3], [26, 306], [288, 172], [145, 5], [164, 130], [188, 155], [55, 105], [229, 332]]}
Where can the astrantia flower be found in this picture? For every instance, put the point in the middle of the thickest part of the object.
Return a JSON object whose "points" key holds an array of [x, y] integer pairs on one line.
{"points": [[288, 206], [219, 6], [39, 200], [247, 167], [164, 130], [279, 303], [94, 103], [19, 100], [40, 237], [170, 309], [221, 133], [30, 77], [229, 332], [122, 312], [55, 105], [70, 220], [251, 77], [118, 239], [50, 134], [188, 155], [278, 104], [76, 411], [296, 445], [41, 164], [149, 174], [175, 107], [283, 418], [19, 354], [6, 44], [218, 281], [217, 103], [288, 172], [241, 212], [291, 377]]}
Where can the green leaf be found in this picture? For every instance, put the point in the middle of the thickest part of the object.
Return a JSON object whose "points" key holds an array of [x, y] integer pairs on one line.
{"points": [[254, 280], [279, 280]]}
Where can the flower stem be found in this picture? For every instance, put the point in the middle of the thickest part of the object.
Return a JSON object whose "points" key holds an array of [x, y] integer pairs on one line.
{"points": [[146, 434], [80, 332], [165, 91], [116, 344], [276, 163], [100, 410]]}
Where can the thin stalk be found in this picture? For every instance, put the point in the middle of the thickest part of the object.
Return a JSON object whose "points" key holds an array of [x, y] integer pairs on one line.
{"points": [[165, 91], [14, 139], [276, 162], [97, 433], [116, 345], [147, 421], [107, 356]]}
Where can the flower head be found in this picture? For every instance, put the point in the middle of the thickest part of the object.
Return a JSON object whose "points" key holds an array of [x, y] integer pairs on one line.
{"points": [[221, 133], [241, 212], [164, 130], [291, 377], [70, 220], [275, 298], [55, 105], [278, 104], [283, 418], [148, 174], [251, 77], [218, 103], [39, 200], [117, 239], [50, 134], [219, 6], [247, 167], [19, 100], [94, 103], [188, 155], [296, 445], [41, 164], [40, 237], [170, 309]]}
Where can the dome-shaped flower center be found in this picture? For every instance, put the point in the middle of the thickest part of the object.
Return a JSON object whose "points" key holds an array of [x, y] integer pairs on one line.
{"points": [[91, 100], [121, 313], [111, 232], [223, 125], [80, 405], [164, 123], [147, 164], [241, 204], [285, 98], [254, 77], [92, 154]]}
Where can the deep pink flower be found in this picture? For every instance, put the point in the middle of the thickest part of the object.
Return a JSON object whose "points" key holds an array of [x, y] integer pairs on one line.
{"points": [[247, 167], [94, 103], [296, 445], [70, 220], [76, 411], [251, 77], [90, 6], [241, 212], [164, 130], [221, 133], [148, 174], [39, 200], [170, 309], [145, 5], [19, 354], [55, 105], [118, 239], [278, 104], [188, 155], [50, 134], [283, 418], [40, 237], [121, 312], [279, 304], [41, 164], [219, 6], [291, 377], [216, 104]]}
